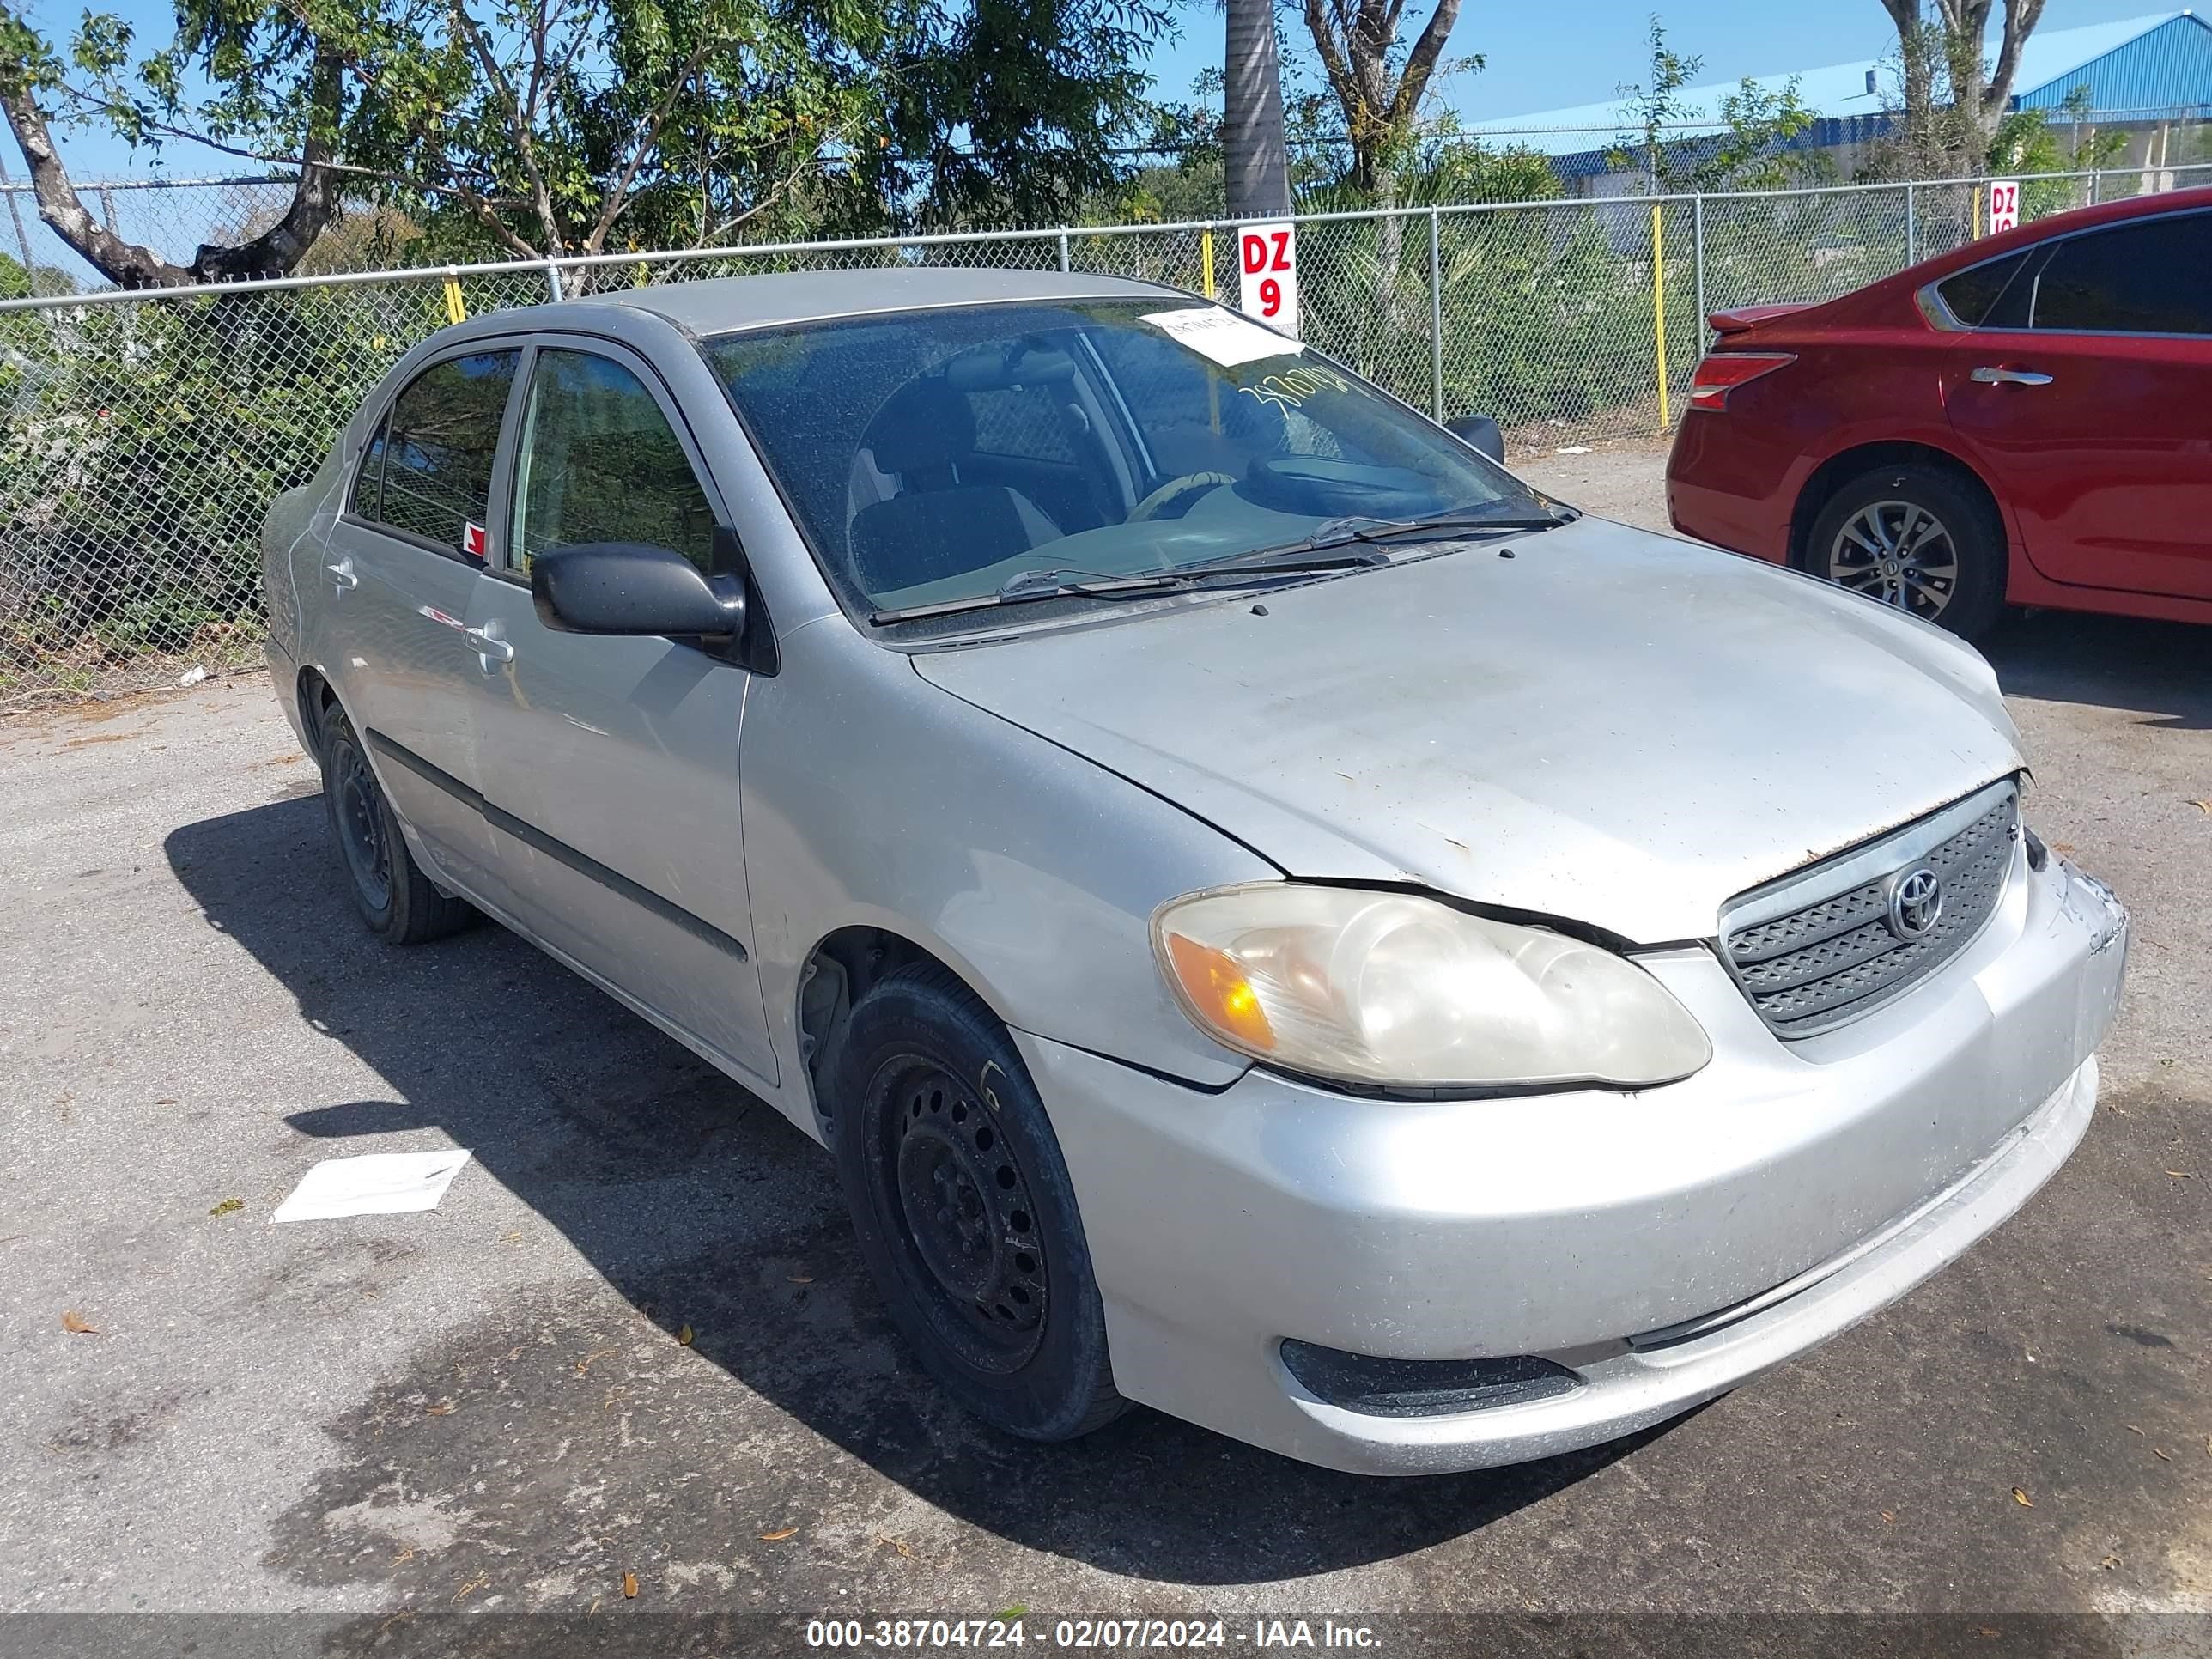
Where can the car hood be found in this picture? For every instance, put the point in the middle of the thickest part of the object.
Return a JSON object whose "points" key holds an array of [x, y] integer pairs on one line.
{"points": [[1592, 723]]}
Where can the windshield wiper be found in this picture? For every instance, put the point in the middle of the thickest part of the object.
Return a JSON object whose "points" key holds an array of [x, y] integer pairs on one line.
{"points": [[1359, 527], [1028, 585]]}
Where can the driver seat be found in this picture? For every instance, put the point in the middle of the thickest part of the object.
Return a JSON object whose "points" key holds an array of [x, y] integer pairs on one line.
{"points": [[936, 525]]}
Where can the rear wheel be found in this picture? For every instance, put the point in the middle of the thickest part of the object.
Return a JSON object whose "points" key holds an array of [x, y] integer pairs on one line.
{"points": [[399, 902], [964, 1211], [1916, 538]]}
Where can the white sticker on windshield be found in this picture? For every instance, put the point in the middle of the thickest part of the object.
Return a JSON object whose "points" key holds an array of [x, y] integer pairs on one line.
{"points": [[1223, 337]]}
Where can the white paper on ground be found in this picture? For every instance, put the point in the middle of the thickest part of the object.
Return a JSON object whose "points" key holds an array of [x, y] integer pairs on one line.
{"points": [[375, 1183], [1223, 335]]}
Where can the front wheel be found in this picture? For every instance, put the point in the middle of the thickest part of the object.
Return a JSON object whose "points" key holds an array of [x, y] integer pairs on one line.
{"points": [[1914, 536], [963, 1208]]}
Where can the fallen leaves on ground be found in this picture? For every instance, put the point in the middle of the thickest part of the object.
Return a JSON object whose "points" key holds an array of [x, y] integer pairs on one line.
{"points": [[630, 1584], [2203, 807], [593, 1358], [1889, 1517], [683, 1337], [443, 1408], [472, 1586], [802, 1279], [2022, 1498], [2109, 1563], [2183, 1175], [2160, 1456], [2131, 1428], [228, 1206], [76, 1324], [777, 1537], [896, 1545]]}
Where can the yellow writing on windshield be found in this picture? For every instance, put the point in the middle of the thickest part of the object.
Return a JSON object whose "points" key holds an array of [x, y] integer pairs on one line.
{"points": [[1292, 388]]}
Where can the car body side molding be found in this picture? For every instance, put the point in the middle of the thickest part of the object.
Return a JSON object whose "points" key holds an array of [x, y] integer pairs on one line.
{"points": [[523, 831]]}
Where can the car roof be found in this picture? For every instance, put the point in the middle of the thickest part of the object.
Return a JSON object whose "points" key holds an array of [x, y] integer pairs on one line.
{"points": [[719, 304]]}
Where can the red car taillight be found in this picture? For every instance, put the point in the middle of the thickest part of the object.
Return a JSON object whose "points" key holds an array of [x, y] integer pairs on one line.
{"points": [[1723, 372]]}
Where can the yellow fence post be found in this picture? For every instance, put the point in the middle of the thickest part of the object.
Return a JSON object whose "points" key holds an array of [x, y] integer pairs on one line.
{"points": [[457, 310], [1206, 261], [1659, 305]]}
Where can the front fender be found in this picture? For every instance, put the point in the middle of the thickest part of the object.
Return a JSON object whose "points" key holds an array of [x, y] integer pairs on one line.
{"points": [[872, 799]]}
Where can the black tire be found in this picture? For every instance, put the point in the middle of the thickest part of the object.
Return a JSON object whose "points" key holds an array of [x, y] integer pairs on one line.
{"points": [[398, 902], [1961, 586], [964, 1211]]}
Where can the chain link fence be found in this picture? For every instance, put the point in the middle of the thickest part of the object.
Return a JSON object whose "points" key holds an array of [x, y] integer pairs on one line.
{"points": [[143, 436]]}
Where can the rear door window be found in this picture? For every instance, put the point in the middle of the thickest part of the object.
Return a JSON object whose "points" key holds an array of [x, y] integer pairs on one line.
{"points": [[438, 448], [2147, 277]]}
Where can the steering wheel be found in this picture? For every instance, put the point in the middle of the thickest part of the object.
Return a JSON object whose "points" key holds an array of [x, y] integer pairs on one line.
{"points": [[1190, 484]]}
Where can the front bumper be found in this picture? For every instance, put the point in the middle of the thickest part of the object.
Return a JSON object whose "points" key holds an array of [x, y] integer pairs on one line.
{"points": [[1744, 1215]]}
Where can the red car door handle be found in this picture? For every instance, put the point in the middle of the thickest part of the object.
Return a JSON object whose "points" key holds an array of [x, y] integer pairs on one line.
{"points": [[2010, 377]]}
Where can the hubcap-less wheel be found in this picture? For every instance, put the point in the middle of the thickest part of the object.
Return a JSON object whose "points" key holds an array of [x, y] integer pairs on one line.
{"points": [[360, 819], [969, 1222], [1897, 552]]}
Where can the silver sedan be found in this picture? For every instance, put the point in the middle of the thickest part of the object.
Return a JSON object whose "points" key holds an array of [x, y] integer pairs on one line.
{"points": [[1277, 919]]}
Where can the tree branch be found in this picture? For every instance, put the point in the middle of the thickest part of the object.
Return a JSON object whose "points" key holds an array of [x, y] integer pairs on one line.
{"points": [[314, 192], [510, 106], [2020, 18], [617, 196], [1421, 63], [124, 263]]}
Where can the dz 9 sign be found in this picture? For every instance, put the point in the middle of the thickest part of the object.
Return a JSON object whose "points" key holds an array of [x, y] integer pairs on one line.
{"points": [[1267, 256], [2004, 204]]}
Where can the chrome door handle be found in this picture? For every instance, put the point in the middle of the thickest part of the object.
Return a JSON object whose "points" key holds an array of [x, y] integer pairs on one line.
{"points": [[341, 574], [2010, 377], [489, 647]]}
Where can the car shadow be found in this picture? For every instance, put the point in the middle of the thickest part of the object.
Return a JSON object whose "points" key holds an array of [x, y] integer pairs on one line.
{"points": [[694, 1200], [2113, 662]]}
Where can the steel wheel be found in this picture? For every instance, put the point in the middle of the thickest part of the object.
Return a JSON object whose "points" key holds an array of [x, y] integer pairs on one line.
{"points": [[360, 820], [969, 1221], [1900, 553]]}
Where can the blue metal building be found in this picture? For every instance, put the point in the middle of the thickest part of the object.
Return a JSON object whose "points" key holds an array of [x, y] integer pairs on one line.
{"points": [[2144, 74]]}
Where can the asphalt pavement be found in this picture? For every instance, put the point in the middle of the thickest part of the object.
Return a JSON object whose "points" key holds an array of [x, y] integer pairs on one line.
{"points": [[384, 1421]]}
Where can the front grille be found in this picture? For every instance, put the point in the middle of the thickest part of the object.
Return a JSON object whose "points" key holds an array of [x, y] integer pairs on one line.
{"points": [[1816, 949]]}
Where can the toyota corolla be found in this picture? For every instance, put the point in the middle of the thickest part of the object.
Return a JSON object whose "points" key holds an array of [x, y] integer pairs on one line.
{"points": [[1276, 919]]}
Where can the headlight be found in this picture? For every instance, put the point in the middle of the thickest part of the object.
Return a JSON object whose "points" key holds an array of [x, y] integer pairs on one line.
{"points": [[1395, 989]]}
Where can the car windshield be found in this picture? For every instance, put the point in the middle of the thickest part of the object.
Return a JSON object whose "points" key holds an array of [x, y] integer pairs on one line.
{"points": [[948, 455]]}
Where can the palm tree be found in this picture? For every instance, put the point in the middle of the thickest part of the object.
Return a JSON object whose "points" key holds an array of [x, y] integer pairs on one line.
{"points": [[1257, 162]]}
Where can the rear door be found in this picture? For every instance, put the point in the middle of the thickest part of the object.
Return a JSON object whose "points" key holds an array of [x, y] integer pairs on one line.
{"points": [[610, 766], [2090, 408], [396, 577]]}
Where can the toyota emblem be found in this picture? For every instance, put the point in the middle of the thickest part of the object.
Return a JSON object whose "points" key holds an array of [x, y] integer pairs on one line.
{"points": [[1916, 903]]}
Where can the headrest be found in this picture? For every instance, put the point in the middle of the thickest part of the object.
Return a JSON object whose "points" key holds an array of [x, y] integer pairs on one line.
{"points": [[925, 425]]}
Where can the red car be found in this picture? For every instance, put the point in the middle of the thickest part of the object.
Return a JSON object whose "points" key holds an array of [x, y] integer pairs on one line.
{"points": [[2027, 419]]}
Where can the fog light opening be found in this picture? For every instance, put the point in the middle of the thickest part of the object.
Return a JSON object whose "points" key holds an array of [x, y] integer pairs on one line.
{"points": [[1423, 1388]]}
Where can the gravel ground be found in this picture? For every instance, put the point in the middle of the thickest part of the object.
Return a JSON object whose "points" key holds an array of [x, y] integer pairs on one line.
{"points": [[487, 1407]]}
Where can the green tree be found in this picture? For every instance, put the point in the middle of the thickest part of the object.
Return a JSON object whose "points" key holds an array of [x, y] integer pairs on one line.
{"points": [[1752, 148], [35, 85], [1379, 83], [540, 128], [1950, 99]]}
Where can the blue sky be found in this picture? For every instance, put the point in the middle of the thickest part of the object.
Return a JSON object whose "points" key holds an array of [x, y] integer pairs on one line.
{"points": [[1539, 57], [1542, 57]]}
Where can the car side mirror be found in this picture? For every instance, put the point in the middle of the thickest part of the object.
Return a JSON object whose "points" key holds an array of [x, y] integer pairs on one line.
{"points": [[1479, 432], [628, 588]]}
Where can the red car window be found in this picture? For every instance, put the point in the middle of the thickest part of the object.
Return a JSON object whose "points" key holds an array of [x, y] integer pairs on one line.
{"points": [[2132, 279]]}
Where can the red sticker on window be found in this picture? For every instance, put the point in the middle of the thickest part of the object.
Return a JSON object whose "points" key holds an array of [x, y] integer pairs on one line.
{"points": [[473, 541]]}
